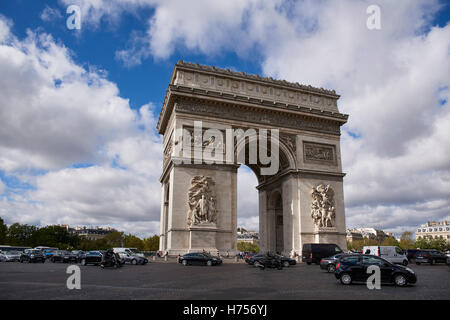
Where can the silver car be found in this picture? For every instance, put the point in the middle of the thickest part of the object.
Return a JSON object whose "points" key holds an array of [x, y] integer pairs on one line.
{"points": [[133, 259], [9, 256]]}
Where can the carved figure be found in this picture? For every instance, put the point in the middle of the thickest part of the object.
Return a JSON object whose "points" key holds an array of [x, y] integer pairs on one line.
{"points": [[322, 206], [201, 201]]}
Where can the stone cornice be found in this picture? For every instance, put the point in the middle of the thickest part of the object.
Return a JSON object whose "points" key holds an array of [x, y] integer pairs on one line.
{"points": [[317, 174], [175, 92], [242, 75]]}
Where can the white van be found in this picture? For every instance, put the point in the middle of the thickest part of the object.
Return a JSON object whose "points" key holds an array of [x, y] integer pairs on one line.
{"points": [[390, 253], [130, 251]]}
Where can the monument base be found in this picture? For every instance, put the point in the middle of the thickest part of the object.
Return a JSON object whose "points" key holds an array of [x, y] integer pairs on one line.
{"points": [[326, 235], [202, 237]]}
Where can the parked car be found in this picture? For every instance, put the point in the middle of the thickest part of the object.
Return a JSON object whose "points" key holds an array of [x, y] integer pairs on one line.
{"points": [[353, 268], [63, 256], [197, 258], [411, 254], [329, 263], [430, 256], [48, 252], [10, 256], [91, 257], [314, 252], [391, 253], [32, 255], [131, 258]]}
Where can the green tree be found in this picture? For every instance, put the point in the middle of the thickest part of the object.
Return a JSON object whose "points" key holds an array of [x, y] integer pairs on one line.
{"points": [[3, 232], [113, 239], [131, 241], [152, 243], [247, 246], [55, 236], [21, 234], [422, 244], [390, 242], [406, 240]]}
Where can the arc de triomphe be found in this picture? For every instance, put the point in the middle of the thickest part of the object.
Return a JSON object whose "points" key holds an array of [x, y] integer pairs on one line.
{"points": [[211, 119]]}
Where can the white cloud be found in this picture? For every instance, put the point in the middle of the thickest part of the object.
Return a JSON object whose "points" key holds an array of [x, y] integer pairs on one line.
{"points": [[247, 208], [55, 115], [51, 14], [394, 84], [2, 187]]}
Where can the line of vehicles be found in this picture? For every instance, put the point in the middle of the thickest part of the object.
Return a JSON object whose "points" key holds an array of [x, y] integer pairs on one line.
{"points": [[54, 255], [352, 267]]}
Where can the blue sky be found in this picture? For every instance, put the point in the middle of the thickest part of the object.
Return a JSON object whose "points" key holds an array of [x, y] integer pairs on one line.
{"points": [[95, 134]]}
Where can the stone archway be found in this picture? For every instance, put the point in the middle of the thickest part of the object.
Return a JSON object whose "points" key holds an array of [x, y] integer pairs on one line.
{"points": [[299, 170]]}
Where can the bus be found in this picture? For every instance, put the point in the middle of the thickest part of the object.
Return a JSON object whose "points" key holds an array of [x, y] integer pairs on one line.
{"points": [[6, 248]]}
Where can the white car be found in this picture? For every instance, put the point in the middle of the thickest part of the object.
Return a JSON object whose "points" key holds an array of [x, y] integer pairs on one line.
{"points": [[390, 253], [130, 251], [8, 256]]}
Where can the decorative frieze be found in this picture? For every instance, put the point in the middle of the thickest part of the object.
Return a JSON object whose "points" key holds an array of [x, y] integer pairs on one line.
{"points": [[262, 116], [319, 153]]}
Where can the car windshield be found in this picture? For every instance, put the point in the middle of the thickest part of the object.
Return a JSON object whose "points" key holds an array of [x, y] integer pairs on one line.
{"points": [[13, 252]]}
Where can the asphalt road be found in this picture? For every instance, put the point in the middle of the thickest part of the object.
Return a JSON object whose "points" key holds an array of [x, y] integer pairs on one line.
{"points": [[169, 280]]}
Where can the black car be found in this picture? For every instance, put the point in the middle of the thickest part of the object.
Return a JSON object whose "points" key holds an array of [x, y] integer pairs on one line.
{"points": [[32, 255], [63, 256], [315, 252], [196, 258], [91, 257], [353, 268], [411, 254], [329, 263], [430, 256]]}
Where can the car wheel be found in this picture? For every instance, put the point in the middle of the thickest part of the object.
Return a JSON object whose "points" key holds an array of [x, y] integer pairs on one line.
{"points": [[331, 268], [184, 262], [286, 264], [405, 262], [83, 262], [209, 263], [418, 263], [400, 280], [431, 262], [21, 260], [52, 260], [134, 261], [43, 261], [346, 279], [308, 263]]}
